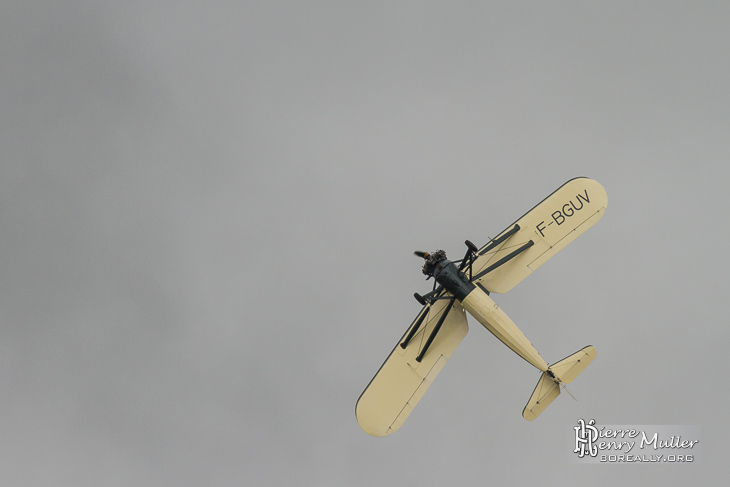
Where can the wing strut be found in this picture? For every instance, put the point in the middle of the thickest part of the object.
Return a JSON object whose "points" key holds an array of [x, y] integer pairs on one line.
{"points": [[435, 330], [501, 239], [468, 259], [504, 259], [415, 327]]}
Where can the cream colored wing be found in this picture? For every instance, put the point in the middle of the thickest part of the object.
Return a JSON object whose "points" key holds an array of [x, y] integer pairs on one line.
{"points": [[402, 380], [543, 231]]}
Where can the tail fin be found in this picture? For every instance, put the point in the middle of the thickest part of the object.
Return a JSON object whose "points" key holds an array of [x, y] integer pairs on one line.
{"points": [[562, 372]]}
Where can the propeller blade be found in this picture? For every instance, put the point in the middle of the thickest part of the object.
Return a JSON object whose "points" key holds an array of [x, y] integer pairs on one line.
{"points": [[421, 254]]}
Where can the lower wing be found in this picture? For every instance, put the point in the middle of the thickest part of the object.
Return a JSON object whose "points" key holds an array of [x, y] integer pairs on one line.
{"points": [[538, 235], [403, 379]]}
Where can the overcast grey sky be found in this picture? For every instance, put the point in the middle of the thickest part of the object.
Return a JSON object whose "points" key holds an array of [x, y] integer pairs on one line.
{"points": [[208, 213]]}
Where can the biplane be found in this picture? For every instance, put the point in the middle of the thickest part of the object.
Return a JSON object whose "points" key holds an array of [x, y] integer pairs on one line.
{"points": [[465, 286]]}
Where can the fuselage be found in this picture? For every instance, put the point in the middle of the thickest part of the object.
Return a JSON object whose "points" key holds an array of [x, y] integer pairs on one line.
{"points": [[483, 308]]}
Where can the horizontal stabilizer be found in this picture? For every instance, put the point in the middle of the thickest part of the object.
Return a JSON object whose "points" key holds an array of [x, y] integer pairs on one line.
{"points": [[545, 392], [568, 369], [562, 372]]}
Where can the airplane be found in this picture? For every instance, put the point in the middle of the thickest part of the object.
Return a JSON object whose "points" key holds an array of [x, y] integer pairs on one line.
{"points": [[465, 286]]}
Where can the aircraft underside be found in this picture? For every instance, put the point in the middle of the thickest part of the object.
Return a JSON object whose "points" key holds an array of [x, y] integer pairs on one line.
{"points": [[496, 267]]}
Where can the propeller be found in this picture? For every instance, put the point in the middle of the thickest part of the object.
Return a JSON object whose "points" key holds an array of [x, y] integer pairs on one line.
{"points": [[421, 254]]}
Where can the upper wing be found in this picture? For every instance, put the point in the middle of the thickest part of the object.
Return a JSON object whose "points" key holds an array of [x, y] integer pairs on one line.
{"points": [[401, 381], [543, 231]]}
